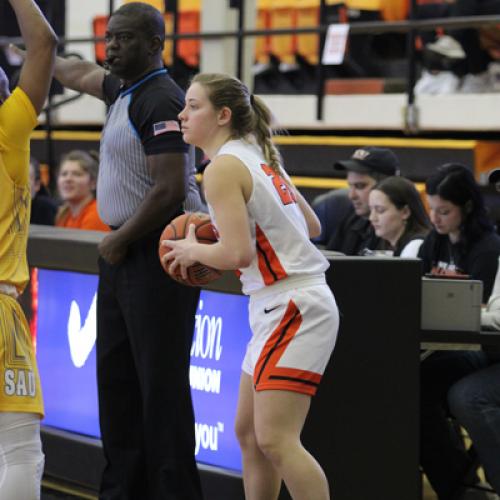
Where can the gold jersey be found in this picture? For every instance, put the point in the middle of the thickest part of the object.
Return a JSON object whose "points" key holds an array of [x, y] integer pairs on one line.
{"points": [[20, 383], [20, 391], [17, 120]]}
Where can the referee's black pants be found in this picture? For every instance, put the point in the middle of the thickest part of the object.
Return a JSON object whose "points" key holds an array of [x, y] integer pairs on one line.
{"points": [[145, 324]]}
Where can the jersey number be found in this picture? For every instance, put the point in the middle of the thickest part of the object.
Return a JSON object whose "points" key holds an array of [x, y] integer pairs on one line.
{"points": [[16, 348], [286, 195]]}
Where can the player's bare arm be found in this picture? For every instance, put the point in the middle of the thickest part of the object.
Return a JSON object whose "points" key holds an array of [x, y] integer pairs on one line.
{"points": [[312, 221], [228, 185], [41, 42]]}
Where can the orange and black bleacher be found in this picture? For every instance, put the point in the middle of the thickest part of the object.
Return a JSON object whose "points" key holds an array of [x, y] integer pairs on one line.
{"points": [[286, 63]]}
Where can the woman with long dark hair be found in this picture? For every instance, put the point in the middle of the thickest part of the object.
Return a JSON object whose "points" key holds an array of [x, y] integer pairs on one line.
{"points": [[463, 240], [461, 243]]}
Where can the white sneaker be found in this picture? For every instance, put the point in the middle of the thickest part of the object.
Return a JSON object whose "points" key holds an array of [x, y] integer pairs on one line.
{"points": [[447, 46], [476, 84], [442, 82]]}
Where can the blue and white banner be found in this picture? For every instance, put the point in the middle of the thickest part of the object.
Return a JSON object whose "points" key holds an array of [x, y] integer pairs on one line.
{"points": [[66, 334]]}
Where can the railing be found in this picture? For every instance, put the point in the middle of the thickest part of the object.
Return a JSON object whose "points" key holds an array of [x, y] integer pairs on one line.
{"points": [[411, 27]]}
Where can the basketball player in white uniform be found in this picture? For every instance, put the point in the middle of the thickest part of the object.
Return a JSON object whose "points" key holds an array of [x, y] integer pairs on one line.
{"points": [[264, 227]]}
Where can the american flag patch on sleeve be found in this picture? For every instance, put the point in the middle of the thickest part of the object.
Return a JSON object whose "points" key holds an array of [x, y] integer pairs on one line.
{"points": [[166, 126]]}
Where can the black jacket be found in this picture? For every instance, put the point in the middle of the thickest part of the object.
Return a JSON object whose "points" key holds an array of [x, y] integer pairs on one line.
{"points": [[480, 262], [43, 210], [354, 236]]}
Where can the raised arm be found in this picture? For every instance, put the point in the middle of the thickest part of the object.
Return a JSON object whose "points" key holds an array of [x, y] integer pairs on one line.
{"points": [[41, 43], [76, 74], [82, 76]]}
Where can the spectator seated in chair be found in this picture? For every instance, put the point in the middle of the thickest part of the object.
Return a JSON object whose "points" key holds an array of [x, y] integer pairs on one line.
{"points": [[462, 242], [331, 208], [354, 234], [398, 216], [475, 400], [76, 182]]}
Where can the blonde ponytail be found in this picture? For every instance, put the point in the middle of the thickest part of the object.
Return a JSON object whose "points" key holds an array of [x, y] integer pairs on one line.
{"points": [[263, 134], [249, 114]]}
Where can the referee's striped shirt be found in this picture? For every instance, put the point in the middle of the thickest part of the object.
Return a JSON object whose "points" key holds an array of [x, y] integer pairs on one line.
{"points": [[129, 136]]}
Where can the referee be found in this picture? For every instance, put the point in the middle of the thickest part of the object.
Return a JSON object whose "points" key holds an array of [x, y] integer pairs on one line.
{"points": [[145, 319]]}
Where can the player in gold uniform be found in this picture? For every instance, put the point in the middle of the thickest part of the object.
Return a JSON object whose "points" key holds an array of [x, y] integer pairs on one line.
{"points": [[21, 406]]}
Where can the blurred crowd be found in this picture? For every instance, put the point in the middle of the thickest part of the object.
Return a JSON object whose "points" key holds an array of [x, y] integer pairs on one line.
{"points": [[382, 214], [75, 204], [449, 228]]}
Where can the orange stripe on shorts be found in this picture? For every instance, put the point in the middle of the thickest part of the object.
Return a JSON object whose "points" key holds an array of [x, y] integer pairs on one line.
{"points": [[269, 376]]}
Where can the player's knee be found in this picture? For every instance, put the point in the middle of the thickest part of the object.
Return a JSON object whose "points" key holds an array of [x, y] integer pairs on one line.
{"points": [[245, 433], [271, 445]]}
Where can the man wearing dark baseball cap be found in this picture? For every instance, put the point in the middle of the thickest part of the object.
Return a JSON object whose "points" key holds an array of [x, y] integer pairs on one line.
{"points": [[366, 167], [370, 160]]}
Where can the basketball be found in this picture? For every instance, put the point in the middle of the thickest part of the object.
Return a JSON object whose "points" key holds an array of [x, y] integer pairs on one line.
{"points": [[197, 274]]}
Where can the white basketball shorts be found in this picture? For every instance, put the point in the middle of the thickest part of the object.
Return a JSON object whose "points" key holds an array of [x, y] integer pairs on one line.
{"points": [[294, 328]]}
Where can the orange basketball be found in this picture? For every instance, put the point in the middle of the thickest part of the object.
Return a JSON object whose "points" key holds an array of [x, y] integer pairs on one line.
{"points": [[197, 274]]}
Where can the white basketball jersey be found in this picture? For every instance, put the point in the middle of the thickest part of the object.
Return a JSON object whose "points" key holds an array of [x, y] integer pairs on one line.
{"points": [[277, 225]]}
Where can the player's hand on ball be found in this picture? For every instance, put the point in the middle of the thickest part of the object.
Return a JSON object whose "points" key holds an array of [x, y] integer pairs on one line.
{"points": [[180, 251], [176, 247]]}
